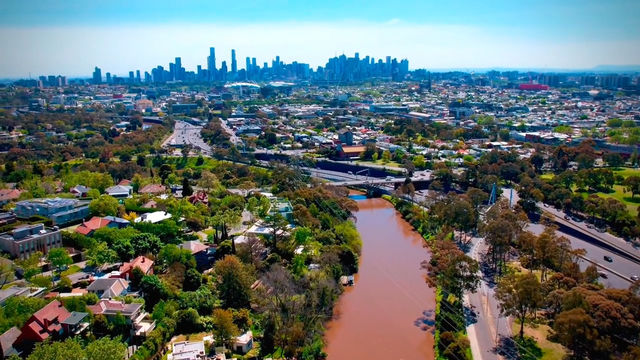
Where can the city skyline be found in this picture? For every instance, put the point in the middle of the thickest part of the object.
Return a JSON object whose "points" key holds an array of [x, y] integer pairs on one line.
{"points": [[75, 36]]}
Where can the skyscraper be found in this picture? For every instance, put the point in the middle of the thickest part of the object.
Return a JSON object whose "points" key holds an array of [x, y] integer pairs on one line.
{"points": [[97, 75], [248, 67], [179, 71], [108, 78], [211, 63], [234, 63], [138, 79]]}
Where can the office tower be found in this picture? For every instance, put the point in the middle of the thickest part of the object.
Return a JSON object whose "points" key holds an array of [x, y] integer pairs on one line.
{"points": [[172, 71], [223, 71], [211, 63], [97, 75], [130, 77], [234, 64], [248, 68], [178, 70], [147, 77], [108, 78], [138, 80], [253, 63]]}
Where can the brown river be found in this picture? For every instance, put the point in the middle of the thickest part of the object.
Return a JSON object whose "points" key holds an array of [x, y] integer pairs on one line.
{"points": [[389, 313]]}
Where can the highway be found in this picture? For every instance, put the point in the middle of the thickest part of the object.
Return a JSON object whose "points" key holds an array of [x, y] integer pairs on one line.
{"points": [[187, 134], [583, 238]]}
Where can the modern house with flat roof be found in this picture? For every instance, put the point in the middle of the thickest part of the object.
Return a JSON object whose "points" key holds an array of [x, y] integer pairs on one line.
{"points": [[188, 350], [24, 241], [60, 211]]}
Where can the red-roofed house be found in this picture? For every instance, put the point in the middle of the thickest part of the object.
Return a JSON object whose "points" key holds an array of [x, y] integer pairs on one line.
{"points": [[154, 189], [141, 262], [88, 227], [44, 323], [125, 182], [8, 195]]}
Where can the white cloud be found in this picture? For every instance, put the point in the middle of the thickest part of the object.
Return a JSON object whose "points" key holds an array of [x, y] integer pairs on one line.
{"points": [[76, 50]]}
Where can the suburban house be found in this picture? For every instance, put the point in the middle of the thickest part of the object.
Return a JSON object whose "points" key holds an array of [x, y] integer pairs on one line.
{"points": [[119, 191], [188, 350], [96, 222], [9, 195], [153, 189], [134, 313], [6, 294], [76, 323], [199, 197], [44, 323], [144, 264], [204, 254], [7, 340], [153, 217], [88, 227], [243, 343], [345, 136], [350, 152], [79, 191], [108, 288], [25, 240], [116, 222]]}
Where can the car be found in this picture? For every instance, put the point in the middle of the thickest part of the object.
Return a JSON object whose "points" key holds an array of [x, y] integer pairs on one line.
{"points": [[635, 277], [566, 217], [590, 226], [608, 258], [601, 230], [603, 274]]}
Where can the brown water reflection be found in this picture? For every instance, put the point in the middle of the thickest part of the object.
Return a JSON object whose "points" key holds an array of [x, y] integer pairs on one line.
{"points": [[389, 312]]}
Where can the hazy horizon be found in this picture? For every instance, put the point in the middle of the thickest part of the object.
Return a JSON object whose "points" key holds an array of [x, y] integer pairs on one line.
{"points": [[70, 38]]}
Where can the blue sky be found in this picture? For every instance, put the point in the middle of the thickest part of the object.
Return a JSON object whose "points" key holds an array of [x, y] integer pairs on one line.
{"points": [[71, 36]]}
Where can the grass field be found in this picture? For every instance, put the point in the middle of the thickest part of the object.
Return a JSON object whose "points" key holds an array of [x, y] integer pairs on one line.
{"points": [[624, 197], [550, 350]]}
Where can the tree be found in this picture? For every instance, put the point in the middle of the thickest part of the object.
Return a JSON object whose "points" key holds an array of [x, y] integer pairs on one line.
{"points": [[519, 296], [153, 290], [31, 265], [188, 321], [632, 185], [613, 159], [106, 348], [59, 257], [7, 272], [101, 254], [452, 269], [209, 181], [146, 244], [69, 349], [186, 187], [386, 156], [234, 282], [537, 160], [225, 330], [576, 330], [192, 280], [104, 205]]}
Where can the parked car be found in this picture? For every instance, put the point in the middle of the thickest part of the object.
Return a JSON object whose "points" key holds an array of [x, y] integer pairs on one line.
{"points": [[635, 277], [608, 258], [603, 274]]}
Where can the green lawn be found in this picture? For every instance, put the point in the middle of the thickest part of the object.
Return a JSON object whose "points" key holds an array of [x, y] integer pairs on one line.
{"points": [[550, 350], [71, 270], [547, 176], [626, 172], [622, 196], [380, 163]]}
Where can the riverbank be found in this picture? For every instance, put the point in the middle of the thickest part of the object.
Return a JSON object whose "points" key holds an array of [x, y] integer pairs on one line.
{"points": [[390, 312]]}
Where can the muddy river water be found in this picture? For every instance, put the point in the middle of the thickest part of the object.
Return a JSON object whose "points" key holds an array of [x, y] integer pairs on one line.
{"points": [[389, 313]]}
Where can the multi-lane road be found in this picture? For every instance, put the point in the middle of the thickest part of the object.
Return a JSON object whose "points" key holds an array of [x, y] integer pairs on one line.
{"points": [[187, 134], [624, 258]]}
